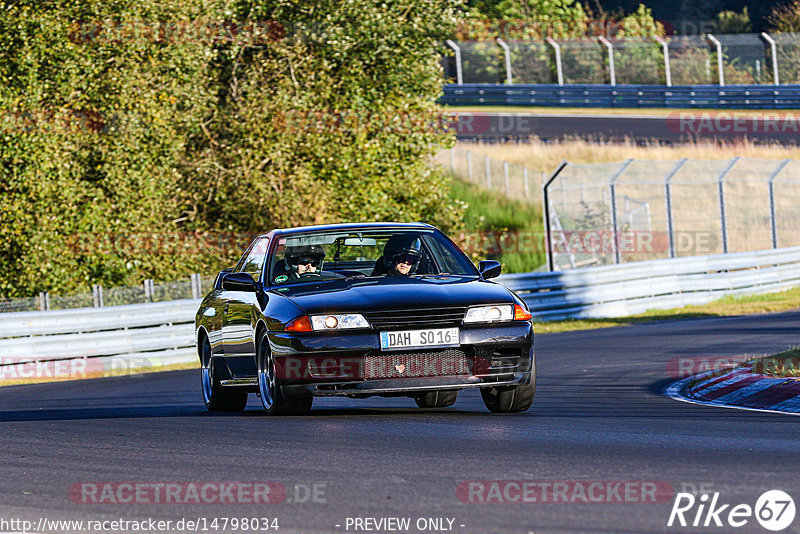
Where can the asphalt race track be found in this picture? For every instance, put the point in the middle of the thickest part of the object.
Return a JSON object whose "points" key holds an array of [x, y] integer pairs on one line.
{"points": [[681, 127], [598, 416]]}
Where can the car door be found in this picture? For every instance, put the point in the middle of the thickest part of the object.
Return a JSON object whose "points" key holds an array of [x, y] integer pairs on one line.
{"points": [[237, 326]]}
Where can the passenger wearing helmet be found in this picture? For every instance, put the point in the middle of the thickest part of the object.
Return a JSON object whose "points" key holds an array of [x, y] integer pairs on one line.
{"points": [[304, 262], [402, 254]]}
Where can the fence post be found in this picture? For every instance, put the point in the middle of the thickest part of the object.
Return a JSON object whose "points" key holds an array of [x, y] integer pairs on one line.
{"points": [[148, 290], [197, 291], [719, 59], [559, 71], [525, 181], [505, 175], [469, 165], [774, 50], [723, 221], [457, 50], [665, 47], [488, 173], [772, 218], [44, 301], [453, 160], [612, 185], [668, 199], [507, 54], [611, 70], [97, 296], [548, 239]]}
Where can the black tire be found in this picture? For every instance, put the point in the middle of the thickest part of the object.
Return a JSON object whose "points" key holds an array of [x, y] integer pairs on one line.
{"points": [[216, 397], [269, 389], [437, 399], [510, 399]]}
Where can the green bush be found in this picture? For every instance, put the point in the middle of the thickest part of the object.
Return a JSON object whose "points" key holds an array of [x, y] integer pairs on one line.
{"points": [[130, 147]]}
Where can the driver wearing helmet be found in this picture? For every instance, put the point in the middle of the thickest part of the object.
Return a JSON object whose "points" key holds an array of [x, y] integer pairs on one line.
{"points": [[402, 254], [304, 262]]}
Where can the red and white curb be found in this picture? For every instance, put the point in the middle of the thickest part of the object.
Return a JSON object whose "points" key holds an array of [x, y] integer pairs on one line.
{"points": [[739, 388]]}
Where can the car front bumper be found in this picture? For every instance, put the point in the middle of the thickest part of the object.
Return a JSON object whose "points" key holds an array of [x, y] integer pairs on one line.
{"points": [[342, 364]]}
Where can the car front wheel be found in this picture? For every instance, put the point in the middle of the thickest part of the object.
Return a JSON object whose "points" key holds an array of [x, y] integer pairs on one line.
{"points": [[436, 399], [269, 385], [216, 397], [508, 399]]}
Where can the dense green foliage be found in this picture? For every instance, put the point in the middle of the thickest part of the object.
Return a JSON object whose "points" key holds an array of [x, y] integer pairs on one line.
{"points": [[144, 139]]}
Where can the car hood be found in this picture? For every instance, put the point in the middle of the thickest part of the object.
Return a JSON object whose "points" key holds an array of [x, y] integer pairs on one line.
{"points": [[360, 295]]}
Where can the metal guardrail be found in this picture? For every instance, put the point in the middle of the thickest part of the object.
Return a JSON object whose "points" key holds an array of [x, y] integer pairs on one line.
{"points": [[163, 333], [625, 96], [97, 319], [631, 288], [128, 338]]}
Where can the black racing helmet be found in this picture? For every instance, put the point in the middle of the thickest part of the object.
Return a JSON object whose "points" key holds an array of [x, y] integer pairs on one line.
{"points": [[402, 246], [314, 254]]}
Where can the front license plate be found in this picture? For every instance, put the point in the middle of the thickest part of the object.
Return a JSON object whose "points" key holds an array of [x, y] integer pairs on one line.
{"points": [[431, 337]]}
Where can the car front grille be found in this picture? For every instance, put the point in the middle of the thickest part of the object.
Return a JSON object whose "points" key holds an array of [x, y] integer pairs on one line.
{"points": [[447, 362], [416, 318]]}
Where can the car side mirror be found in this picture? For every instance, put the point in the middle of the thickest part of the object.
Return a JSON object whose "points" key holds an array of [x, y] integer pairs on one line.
{"points": [[489, 268], [239, 282], [220, 276]]}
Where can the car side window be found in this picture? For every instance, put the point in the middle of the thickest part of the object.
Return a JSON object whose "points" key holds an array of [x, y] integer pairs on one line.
{"points": [[253, 262]]}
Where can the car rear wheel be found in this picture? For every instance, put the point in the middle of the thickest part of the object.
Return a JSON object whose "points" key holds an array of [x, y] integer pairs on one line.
{"points": [[436, 399], [269, 385], [216, 397]]}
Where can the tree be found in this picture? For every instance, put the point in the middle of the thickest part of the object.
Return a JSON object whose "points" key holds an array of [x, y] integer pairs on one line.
{"points": [[135, 130], [733, 22], [785, 17]]}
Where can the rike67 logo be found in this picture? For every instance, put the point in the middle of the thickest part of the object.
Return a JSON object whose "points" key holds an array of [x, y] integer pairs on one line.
{"points": [[774, 510]]}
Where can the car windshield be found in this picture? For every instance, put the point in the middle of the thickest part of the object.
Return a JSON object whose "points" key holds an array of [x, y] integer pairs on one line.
{"points": [[316, 256]]}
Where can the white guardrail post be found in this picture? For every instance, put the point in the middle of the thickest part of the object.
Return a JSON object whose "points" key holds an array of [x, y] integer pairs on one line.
{"points": [[559, 70], [665, 48], [612, 186], [507, 54], [720, 69], [611, 70], [457, 50], [773, 223], [722, 214], [774, 50], [668, 201]]}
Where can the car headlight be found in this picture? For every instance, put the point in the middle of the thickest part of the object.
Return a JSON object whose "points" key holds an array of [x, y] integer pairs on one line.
{"points": [[338, 321], [490, 314]]}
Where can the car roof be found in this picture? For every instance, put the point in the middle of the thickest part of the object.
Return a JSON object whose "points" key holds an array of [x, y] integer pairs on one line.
{"points": [[352, 226]]}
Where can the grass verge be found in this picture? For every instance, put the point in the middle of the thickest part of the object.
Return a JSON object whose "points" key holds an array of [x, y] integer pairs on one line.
{"points": [[783, 365], [497, 224], [727, 306]]}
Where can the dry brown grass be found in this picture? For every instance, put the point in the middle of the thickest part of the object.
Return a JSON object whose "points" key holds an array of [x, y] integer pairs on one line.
{"points": [[546, 156]]}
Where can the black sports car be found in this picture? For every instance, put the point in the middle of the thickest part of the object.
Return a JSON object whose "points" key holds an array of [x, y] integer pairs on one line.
{"points": [[359, 310]]}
